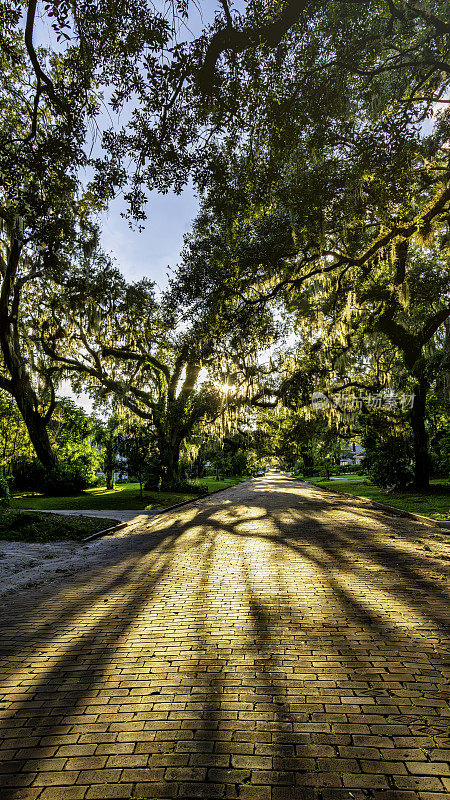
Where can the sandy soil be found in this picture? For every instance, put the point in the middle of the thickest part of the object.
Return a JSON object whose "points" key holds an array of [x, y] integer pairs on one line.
{"points": [[24, 564]]}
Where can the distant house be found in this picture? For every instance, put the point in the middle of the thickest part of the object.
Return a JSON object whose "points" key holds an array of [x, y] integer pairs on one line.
{"points": [[122, 475], [353, 458]]}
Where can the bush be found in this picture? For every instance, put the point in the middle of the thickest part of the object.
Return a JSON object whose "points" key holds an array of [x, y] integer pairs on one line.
{"points": [[309, 472], [297, 469], [182, 486], [64, 479], [239, 463], [388, 462], [5, 495], [152, 474], [442, 458], [242, 462], [185, 468], [28, 475], [343, 469]]}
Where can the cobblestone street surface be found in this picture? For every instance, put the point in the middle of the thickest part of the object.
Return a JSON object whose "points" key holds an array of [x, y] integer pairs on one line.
{"points": [[271, 642]]}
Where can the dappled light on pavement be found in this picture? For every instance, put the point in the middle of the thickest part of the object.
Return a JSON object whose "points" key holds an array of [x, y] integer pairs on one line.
{"points": [[270, 642]]}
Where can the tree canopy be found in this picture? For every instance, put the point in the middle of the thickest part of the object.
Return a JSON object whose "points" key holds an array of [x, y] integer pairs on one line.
{"points": [[317, 137]]}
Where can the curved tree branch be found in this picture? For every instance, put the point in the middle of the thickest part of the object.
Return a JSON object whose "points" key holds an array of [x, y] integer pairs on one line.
{"points": [[441, 25], [237, 41], [44, 82], [433, 323]]}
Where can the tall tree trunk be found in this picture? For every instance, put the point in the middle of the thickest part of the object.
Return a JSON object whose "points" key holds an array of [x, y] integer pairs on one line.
{"points": [[421, 455], [19, 384], [308, 460], [109, 475], [36, 427], [169, 449]]}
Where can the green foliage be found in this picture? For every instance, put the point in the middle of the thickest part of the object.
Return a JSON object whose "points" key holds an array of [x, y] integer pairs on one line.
{"points": [[153, 474], [14, 440], [238, 463], [298, 469], [107, 436], [71, 433], [388, 460], [26, 526], [136, 446], [322, 189], [443, 456], [68, 477], [45, 223], [438, 416], [181, 486], [28, 475], [5, 494]]}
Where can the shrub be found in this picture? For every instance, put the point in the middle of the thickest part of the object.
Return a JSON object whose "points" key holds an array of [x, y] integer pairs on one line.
{"points": [[182, 486], [388, 462], [239, 463], [343, 469], [152, 474], [66, 478], [297, 469], [185, 468], [28, 475], [442, 458]]}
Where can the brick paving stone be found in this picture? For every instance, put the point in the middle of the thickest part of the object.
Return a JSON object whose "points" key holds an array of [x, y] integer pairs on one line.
{"points": [[21, 794], [269, 643], [421, 768], [155, 791], [64, 793], [100, 792]]}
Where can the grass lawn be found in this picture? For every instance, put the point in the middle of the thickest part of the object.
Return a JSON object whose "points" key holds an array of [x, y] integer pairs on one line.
{"points": [[434, 503], [356, 476], [124, 497], [29, 526]]}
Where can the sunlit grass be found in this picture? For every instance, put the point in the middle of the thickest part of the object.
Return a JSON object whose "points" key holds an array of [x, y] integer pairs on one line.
{"points": [[433, 503], [125, 496]]}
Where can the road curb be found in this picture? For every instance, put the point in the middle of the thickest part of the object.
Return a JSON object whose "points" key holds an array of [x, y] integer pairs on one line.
{"points": [[159, 511], [395, 512], [104, 532], [201, 497]]}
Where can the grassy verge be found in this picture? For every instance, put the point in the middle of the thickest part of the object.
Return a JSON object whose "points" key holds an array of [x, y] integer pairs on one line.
{"points": [[434, 503], [123, 498], [29, 526]]}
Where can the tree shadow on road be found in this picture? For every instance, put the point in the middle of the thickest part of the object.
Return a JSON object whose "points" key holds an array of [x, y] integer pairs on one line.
{"points": [[292, 624]]}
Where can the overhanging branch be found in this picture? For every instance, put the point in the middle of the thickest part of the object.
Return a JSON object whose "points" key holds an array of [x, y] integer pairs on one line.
{"points": [[441, 25], [237, 41], [44, 82]]}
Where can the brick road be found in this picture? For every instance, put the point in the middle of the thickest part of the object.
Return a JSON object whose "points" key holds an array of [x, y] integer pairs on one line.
{"points": [[273, 642]]}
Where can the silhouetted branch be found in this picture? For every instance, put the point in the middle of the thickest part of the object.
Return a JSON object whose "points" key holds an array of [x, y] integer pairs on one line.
{"points": [[229, 38]]}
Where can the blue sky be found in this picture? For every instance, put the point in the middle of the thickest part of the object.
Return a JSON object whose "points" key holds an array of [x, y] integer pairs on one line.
{"points": [[153, 251]]}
